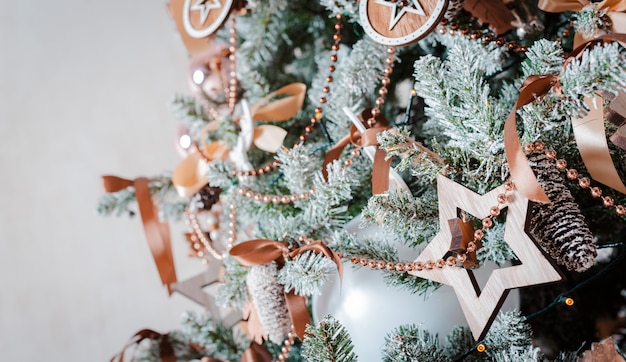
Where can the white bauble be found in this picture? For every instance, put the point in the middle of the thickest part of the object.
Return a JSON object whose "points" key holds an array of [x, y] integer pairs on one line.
{"points": [[369, 309]]}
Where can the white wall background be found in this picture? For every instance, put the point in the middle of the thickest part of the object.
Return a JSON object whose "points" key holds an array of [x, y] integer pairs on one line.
{"points": [[84, 91]]}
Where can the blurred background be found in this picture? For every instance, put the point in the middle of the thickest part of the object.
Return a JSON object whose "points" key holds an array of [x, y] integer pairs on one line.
{"points": [[84, 91]]}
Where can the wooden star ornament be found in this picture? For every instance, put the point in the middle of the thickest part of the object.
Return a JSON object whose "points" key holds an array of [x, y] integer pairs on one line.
{"points": [[481, 306], [194, 289], [400, 23]]}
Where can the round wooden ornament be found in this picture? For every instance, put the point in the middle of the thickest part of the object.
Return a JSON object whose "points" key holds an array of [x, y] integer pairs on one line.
{"points": [[201, 18], [400, 22], [198, 20]]}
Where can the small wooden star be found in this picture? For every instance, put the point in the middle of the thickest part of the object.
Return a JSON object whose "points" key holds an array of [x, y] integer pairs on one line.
{"points": [[602, 352], [462, 232], [481, 306], [193, 289]]}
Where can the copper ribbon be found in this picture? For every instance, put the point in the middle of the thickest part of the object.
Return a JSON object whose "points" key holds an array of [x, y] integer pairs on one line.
{"points": [[614, 10], [157, 232], [262, 251], [537, 86], [380, 167], [256, 353], [166, 352]]}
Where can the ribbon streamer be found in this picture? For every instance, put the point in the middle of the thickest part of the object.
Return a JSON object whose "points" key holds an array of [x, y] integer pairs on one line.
{"points": [[594, 150], [533, 87], [381, 166], [157, 232], [262, 251]]}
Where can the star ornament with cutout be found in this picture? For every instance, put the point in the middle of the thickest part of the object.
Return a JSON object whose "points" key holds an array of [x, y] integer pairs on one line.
{"points": [[195, 287], [480, 307], [205, 6], [397, 10]]}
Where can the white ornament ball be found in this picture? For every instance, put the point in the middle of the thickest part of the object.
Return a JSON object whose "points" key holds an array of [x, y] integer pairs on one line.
{"points": [[369, 309]]}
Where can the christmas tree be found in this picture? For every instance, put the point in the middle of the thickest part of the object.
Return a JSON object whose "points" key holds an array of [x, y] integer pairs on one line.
{"points": [[325, 144]]}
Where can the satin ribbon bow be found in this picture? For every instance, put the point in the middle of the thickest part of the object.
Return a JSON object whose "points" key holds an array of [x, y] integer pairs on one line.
{"points": [[190, 175], [157, 232], [381, 165], [166, 352], [598, 160], [263, 251], [614, 9]]}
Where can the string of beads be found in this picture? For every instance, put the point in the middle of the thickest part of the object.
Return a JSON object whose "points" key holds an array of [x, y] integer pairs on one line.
{"points": [[572, 174], [286, 348], [479, 234], [199, 235], [233, 82]]}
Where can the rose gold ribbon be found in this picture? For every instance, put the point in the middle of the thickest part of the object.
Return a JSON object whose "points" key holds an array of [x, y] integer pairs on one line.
{"points": [[380, 167], [157, 232], [281, 109], [166, 352], [537, 86], [594, 150], [613, 8], [262, 251]]}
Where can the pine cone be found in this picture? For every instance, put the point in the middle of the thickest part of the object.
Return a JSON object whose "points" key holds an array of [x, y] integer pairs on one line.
{"points": [[268, 297], [559, 226], [207, 197]]}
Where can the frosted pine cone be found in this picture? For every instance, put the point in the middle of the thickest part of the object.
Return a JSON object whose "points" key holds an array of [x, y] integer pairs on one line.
{"points": [[268, 297], [559, 226]]}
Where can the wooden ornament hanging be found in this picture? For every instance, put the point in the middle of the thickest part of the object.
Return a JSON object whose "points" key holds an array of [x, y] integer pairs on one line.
{"points": [[481, 306], [198, 20], [401, 22], [602, 352], [194, 289]]}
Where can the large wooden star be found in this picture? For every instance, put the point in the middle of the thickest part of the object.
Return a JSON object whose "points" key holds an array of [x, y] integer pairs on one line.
{"points": [[481, 306], [194, 289]]}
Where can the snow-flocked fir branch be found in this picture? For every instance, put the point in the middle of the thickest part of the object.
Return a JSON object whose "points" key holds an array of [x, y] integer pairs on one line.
{"points": [[494, 247], [268, 297], [268, 36], [543, 57], [200, 336], [220, 174], [342, 7], [358, 72], [298, 167], [602, 67], [217, 340], [232, 291], [590, 20], [329, 341], [324, 211], [422, 162], [190, 112], [509, 339], [171, 205], [459, 107], [412, 219], [509, 330], [307, 273], [410, 343]]}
